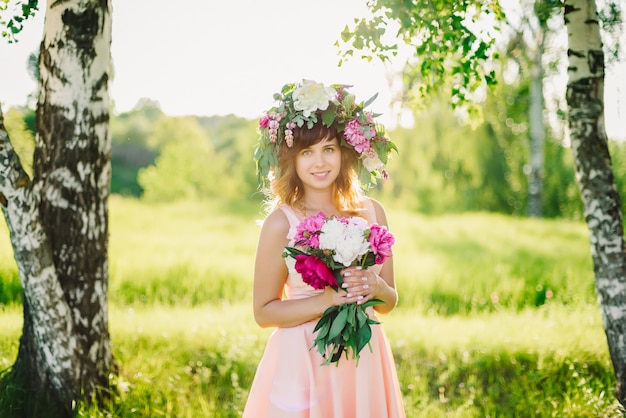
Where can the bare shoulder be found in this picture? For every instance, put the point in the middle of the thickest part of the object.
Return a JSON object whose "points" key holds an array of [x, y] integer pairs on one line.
{"points": [[379, 209], [276, 222]]}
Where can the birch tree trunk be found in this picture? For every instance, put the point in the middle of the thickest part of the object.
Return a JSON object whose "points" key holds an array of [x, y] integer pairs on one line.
{"points": [[58, 222], [602, 204]]}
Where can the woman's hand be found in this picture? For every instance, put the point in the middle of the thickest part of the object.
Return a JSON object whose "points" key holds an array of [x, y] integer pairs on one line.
{"points": [[360, 284], [338, 297]]}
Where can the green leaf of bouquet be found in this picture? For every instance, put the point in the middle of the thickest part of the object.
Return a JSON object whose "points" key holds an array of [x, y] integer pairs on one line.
{"points": [[338, 276], [331, 312], [320, 324], [361, 318], [321, 346], [337, 354], [292, 251], [323, 327], [346, 336], [369, 260], [365, 335], [372, 302], [338, 324], [352, 310], [353, 346]]}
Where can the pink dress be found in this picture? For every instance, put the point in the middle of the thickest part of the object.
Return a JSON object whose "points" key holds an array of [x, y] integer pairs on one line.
{"points": [[291, 382]]}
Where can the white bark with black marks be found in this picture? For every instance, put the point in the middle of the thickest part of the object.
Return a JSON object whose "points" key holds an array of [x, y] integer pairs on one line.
{"points": [[59, 221], [602, 203], [52, 322]]}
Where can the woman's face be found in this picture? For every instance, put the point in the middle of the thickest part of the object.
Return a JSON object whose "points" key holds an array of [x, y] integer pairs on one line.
{"points": [[318, 166]]}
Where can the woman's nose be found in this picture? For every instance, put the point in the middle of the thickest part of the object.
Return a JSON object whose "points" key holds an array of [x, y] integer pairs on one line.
{"points": [[319, 158]]}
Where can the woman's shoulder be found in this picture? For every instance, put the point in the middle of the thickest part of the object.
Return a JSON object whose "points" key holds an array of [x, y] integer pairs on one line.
{"points": [[372, 203], [275, 225], [276, 218], [378, 210]]}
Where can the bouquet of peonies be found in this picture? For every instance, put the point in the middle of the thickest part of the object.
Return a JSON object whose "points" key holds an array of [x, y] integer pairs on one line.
{"points": [[320, 249]]}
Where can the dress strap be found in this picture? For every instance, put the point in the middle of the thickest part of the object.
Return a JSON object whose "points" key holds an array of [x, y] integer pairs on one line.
{"points": [[371, 210], [291, 215]]}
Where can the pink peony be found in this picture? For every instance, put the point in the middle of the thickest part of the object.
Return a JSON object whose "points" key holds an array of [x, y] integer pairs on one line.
{"points": [[356, 137], [381, 241], [315, 272], [307, 231]]}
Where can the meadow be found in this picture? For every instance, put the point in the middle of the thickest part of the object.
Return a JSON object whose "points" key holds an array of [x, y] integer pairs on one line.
{"points": [[497, 315]]}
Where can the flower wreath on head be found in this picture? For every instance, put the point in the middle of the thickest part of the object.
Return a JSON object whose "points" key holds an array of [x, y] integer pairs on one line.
{"points": [[299, 105]]}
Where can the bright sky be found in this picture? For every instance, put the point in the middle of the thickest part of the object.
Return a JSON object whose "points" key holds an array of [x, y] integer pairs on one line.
{"points": [[198, 57], [214, 57]]}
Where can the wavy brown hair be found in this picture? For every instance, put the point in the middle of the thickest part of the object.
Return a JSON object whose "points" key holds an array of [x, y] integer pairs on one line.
{"points": [[286, 187]]}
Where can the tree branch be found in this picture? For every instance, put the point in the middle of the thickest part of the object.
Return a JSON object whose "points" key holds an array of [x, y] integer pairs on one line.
{"points": [[52, 317], [12, 174]]}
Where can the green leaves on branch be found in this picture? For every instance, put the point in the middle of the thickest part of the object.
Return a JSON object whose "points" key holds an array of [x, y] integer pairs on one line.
{"points": [[450, 43], [344, 329], [366, 36], [13, 24]]}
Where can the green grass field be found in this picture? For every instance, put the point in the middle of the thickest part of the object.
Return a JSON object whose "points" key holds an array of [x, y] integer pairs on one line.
{"points": [[497, 315]]}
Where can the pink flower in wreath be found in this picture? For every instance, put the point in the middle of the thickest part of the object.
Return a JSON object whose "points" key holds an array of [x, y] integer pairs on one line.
{"points": [[264, 122], [356, 136], [315, 272]]}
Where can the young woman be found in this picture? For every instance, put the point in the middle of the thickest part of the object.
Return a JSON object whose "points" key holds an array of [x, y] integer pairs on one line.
{"points": [[316, 144]]}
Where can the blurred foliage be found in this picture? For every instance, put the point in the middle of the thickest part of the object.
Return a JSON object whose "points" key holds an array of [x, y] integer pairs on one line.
{"points": [[164, 158], [445, 165], [18, 123], [186, 165]]}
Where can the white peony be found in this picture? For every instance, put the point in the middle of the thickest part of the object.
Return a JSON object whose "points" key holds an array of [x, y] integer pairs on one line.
{"points": [[346, 240], [312, 96], [332, 232]]}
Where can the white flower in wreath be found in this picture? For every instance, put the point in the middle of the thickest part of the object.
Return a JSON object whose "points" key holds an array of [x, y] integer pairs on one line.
{"points": [[312, 96], [372, 162]]}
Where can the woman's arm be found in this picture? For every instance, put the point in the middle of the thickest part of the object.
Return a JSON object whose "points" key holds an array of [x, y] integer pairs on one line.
{"points": [[270, 273]]}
